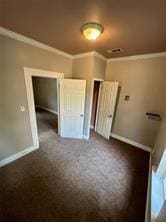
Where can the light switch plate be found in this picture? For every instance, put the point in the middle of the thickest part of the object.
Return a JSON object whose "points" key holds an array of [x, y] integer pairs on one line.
{"points": [[22, 108]]}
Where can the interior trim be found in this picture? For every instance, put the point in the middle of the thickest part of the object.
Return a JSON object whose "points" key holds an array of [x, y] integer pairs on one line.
{"points": [[131, 142], [28, 73], [161, 167], [91, 53], [148, 197], [22, 38], [47, 109], [136, 57], [98, 55], [85, 137], [17, 155], [92, 127]]}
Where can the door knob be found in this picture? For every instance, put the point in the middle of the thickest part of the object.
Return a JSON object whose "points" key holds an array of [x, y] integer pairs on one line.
{"points": [[81, 115], [110, 115]]}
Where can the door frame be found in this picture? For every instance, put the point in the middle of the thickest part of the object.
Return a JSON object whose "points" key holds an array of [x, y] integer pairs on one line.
{"points": [[91, 104], [28, 74]]}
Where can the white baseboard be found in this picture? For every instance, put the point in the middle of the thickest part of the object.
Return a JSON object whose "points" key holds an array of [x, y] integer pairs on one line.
{"points": [[153, 219], [85, 137], [148, 196], [131, 142], [49, 110], [17, 156], [92, 127]]}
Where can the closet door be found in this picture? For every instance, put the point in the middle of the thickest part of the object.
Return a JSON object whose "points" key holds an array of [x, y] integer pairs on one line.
{"points": [[164, 182], [107, 102], [161, 171], [72, 103]]}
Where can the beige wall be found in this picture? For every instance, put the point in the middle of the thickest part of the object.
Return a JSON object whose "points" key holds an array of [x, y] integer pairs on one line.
{"points": [[99, 68], [88, 68], [144, 81], [160, 143], [45, 92], [83, 69], [15, 132]]}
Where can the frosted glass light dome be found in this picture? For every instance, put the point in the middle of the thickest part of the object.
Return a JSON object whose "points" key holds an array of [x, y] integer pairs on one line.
{"points": [[91, 31]]}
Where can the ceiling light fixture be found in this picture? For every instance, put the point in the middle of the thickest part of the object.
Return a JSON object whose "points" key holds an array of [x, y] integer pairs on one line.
{"points": [[91, 31]]}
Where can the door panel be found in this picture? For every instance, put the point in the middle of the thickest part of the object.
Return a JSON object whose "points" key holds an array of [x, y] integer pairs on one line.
{"points": [[164, 182], [72, 102], [107, 101]]}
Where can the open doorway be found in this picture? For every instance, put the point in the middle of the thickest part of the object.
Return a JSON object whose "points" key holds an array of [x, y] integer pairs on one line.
{"points": [[29, 73], [103, 106], [46, 107], [96, 89]]}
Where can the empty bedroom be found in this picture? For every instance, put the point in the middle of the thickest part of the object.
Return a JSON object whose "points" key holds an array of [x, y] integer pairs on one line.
{"points": [[82, 111]]}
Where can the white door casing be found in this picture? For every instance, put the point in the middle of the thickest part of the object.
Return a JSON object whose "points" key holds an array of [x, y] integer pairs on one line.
{"points": [[28, 73], [161, 171], [164, 182], [107, 102], [72, 104]]}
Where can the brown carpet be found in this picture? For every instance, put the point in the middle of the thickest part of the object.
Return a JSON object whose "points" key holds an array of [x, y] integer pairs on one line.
{"points": [[162, 215], [69, 180]]}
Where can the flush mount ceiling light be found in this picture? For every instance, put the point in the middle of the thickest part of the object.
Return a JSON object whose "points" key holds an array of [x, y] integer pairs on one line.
{"points": [[91, 31]]}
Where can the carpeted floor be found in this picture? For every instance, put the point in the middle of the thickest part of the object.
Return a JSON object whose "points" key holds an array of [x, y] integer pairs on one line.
{"points": [[69, 180], [162, 215]]}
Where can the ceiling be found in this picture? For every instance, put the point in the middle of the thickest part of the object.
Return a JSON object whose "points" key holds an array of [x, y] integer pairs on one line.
{"points": [[137, 26]]}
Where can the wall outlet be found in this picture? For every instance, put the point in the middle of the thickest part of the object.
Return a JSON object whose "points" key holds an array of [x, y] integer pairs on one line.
{"points": [[22, 108]]}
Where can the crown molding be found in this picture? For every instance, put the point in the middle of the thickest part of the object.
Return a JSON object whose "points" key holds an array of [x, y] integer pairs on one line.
{"points": [[98, 55], [91, 53], [83, 55], [136, 57], [22, 38]]}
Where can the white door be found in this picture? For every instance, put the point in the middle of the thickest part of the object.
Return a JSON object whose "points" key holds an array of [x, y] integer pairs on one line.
{"points": [[161, 171], [107, 102], [72, 103], [164, 182]]}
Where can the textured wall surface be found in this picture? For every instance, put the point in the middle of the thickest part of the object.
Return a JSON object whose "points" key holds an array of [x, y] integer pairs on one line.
{"points": [[45, 92], [83, 69], [15, 132], [88, 68], [144, 81]]}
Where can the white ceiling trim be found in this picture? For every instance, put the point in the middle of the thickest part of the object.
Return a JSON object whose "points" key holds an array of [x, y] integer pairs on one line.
{"points": [[98, 55], [19, 37], [83, 55], [87, 54], [136, 57], [16, 36], [22, 38]]}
